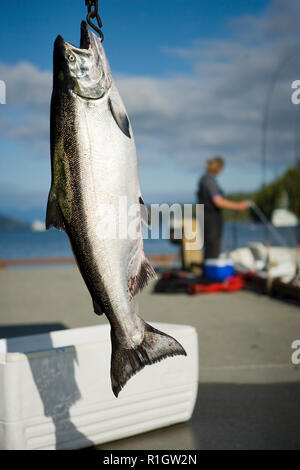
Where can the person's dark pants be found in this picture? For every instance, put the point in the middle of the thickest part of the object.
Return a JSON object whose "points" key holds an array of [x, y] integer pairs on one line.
{"points": [[213, 226]]}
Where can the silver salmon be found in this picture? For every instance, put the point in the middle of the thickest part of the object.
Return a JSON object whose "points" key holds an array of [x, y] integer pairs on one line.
{"points": [[94, 165]]}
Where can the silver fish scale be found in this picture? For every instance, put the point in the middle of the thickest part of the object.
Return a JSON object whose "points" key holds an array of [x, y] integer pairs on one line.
{"points": [[108, 171]]}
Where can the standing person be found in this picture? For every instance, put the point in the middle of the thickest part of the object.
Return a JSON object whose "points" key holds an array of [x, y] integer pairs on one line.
{"points": [[212, 196]]}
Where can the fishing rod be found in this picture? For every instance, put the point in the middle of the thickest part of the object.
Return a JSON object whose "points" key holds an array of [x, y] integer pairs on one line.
{"points": [[267, 223], [266, 112], [92, 6]]}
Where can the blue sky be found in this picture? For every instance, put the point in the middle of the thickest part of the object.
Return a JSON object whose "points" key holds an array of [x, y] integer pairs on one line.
{"points": [[135, 30], [193, 75]]}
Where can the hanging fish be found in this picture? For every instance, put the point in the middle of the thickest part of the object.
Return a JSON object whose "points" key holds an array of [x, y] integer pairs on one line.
{"points": [[94, 166]]}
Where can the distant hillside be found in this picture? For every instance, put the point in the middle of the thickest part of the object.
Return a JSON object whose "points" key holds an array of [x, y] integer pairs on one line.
{"points": [[7, 223], [285, 188]]}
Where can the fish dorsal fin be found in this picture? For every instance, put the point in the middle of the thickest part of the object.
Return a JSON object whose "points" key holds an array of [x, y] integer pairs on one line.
{"points": [[54, 217], [120, 117], [145, 215]]}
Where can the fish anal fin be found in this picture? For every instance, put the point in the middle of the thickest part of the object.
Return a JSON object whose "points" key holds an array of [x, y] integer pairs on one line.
{"points": [[125, 363], [138, 282], [54, 217], [120, 117]]}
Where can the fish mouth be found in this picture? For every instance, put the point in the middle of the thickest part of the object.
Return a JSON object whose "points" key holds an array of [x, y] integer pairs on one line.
{"points": [[85, 36], [86, 78], [87, 41]]}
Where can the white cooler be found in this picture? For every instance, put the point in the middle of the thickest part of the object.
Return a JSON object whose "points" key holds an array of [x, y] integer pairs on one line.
{"points": [[55, 390]]}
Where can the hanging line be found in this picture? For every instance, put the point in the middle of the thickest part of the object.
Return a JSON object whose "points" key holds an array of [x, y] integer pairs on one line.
{"points": [[92, 6]]}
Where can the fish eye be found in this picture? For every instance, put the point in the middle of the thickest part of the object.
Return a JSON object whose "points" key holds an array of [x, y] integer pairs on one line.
{"points": [[71, 57]]}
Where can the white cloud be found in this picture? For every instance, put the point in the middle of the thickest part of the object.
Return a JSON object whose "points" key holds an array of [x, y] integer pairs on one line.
{"points": [[26, 86], [219, 108]]}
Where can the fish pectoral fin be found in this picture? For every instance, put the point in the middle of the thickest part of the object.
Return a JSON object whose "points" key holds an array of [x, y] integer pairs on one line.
{"points": [[120, 117], [54, 217], [145, 214], [145, 274], [127, 362], [98, 307]]}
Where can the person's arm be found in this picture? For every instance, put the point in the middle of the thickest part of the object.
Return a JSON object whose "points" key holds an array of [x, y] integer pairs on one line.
{"points": [[223, 203]]}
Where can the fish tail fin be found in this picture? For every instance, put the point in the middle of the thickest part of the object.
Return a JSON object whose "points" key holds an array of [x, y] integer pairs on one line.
{"points": [[127, 362]]}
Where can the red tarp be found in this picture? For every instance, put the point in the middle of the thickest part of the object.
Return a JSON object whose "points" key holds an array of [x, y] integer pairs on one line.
{"points": [[231, 284]]}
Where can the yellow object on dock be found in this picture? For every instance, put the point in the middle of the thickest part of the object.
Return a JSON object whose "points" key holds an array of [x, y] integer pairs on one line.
{"points": [[192, 257]]}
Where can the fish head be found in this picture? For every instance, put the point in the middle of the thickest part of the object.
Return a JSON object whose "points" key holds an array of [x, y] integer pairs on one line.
{"points": [[84, 70]]}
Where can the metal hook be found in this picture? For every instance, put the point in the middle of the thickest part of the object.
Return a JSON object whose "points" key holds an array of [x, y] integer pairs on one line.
{"points": [[93, 13]]}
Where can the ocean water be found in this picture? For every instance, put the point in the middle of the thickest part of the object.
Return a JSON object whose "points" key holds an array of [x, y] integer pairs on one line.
{"points": [[53, 243]]}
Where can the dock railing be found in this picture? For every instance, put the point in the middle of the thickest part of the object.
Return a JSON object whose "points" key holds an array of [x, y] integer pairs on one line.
{"points": [[157, 259]]}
